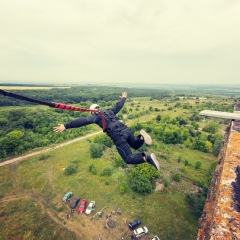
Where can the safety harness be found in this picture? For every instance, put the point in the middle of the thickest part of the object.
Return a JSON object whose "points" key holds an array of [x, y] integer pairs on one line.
{"points": [[55, 105]]}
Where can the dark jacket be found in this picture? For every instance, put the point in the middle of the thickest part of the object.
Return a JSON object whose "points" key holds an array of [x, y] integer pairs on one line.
{"points": [[109, 116]]}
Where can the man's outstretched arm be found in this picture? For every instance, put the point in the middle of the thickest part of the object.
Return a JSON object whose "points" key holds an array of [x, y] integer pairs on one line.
{"points": [[120, 103]]}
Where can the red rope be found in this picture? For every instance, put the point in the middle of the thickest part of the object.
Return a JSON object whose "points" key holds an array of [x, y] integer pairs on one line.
{"points": [[68, 107]]}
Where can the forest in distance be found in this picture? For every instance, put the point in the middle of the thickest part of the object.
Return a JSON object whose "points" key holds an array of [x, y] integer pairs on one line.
{"points": [[186, 144], [25, 129]]}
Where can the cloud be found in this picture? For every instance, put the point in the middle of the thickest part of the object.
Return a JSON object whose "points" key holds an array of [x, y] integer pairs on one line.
{"points": [[119, 40]]}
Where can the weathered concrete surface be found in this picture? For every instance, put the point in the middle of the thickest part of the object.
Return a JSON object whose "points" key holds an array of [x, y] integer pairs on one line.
{"points": [[221, 214]]}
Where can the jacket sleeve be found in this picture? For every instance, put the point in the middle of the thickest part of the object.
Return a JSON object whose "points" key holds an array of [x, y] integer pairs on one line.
{"points": [[80, 122], [118, 105]]}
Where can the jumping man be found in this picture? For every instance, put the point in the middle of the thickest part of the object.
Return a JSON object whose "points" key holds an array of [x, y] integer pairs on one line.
{"points": [[121, 135]]}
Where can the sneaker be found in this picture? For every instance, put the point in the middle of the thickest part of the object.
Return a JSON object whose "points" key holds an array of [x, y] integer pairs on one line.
{"points": [[154, 161], [147, 137]]}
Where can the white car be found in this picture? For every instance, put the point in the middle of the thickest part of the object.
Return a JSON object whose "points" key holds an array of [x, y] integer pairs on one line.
{"points": [[140, 232], [90, 207], [155, 238]]}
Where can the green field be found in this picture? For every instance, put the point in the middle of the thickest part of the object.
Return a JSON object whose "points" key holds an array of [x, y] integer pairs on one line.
{"points": [[31, 189]]}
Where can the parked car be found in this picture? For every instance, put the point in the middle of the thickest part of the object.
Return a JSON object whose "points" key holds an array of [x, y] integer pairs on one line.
{"points": [[82, 205], [155, 238], [138, 233], [75, 202], [67, 196], [90, 207], [134, 224]]}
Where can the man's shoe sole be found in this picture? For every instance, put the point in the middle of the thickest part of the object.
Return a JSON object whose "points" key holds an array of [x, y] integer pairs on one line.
{"points": [[147, 137], [153, 157]]}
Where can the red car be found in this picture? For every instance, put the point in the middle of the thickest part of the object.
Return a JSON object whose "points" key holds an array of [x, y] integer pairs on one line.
{"points": [[82, 206]]}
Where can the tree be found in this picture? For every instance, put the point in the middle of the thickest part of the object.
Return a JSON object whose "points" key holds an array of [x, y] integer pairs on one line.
{"points": [[141, 184], [211, 127], [217, 145], [158, 118], [96, 150], [141, 176], [197, 202], [103, 140]]}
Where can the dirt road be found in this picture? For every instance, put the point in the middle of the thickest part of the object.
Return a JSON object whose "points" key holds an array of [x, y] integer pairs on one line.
{"points": [[47, 149]]}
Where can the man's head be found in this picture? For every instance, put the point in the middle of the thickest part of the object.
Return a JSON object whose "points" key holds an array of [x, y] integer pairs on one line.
{"points": [[94, 106]]}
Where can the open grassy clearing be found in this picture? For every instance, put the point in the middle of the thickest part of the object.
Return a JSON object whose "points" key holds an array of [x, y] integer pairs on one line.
{"points": [[159, 211]]}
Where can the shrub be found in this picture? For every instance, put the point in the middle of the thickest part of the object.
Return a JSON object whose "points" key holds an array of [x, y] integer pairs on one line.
{"points": [[103, 140], [183, 169], [217, 145], [176, 177], [92, 169], [44, 156], [197, 165], [76, 161], [145, 170], [141, 184], [211, 127], [196, 202], [119, 162], [70, 169], [107, 171], [96, 150], [166, 181], [123, 187]]}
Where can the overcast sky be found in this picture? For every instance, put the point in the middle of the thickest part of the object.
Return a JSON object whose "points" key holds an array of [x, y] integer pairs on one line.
{"points": [[112, 41]]}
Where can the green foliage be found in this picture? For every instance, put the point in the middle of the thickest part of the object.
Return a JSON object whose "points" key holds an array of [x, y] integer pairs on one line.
{"points": [[119, 162], [70, 169], [44, 156], [186, 163], [104, 140], [197, 202], [183, 169], [76, 161], [198, 164], [166, 181], [124, 110], [123, 187], [141, 184], [141, 176], [107, 171], [146, 170], [96, 150], [210, 172], [211, 127], [217, 145], [92, 169], [176, 177], [202, 145], [158, 118], [179, 159]]}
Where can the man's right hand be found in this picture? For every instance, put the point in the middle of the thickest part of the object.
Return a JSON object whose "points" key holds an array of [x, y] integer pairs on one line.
{"points": [[59, 128], [124, 95]]}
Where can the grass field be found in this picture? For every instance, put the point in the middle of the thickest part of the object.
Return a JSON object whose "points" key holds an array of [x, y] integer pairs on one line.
{"points": [[31, 192], [37, 186]]}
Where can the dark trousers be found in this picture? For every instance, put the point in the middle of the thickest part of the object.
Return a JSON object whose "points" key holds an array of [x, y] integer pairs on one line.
{"points": [[124, 139]]}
